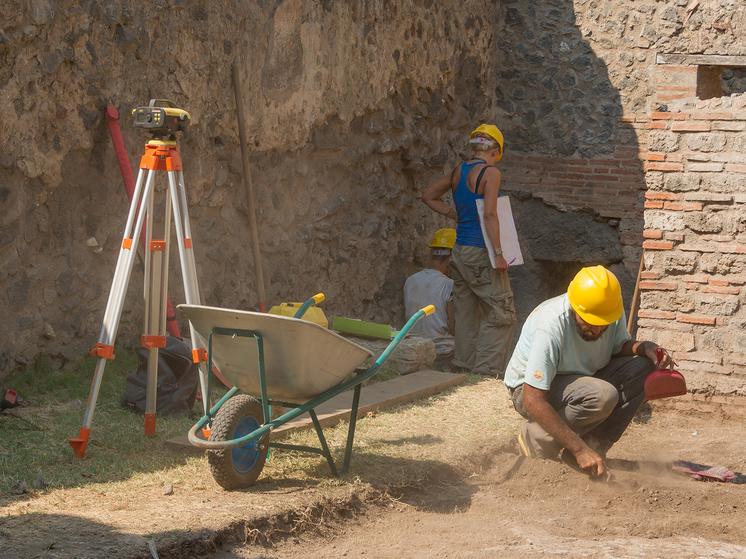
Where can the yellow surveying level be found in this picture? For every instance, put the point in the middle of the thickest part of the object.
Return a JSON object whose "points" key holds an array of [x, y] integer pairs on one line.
{"points": [[162, 120]]}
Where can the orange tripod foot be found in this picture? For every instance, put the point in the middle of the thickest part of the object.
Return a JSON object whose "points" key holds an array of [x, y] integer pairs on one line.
{"points": [[150, 424], [81, 442]]}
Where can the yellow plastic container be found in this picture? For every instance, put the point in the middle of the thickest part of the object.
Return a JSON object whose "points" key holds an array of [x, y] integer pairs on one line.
{"points": [[313, 314]]}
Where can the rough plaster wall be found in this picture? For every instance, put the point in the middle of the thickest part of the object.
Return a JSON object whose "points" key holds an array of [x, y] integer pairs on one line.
{"points": [[347, 103]]}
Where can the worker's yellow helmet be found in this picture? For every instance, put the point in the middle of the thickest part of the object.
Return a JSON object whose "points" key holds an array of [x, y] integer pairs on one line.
{"points": [[490, 130], [596, 296], [443, 241]]}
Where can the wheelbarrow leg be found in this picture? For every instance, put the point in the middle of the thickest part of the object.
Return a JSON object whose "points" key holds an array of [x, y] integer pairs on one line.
{"points": [[350, 435], [351, 430], [322, 440]]}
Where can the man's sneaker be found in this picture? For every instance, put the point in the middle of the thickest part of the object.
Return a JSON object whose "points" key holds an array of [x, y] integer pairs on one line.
{"points": [[524, 443]]}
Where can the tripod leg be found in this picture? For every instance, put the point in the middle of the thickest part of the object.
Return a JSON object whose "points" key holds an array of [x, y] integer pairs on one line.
{"points": [[155, 322], [105, 346], [188, 267]]}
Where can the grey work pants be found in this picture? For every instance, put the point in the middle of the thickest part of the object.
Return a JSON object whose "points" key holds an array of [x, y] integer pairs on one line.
{"points": [[482, 346], [598, 408]]}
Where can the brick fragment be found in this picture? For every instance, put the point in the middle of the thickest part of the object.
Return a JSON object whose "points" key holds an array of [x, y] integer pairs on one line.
{"points": [[653, 205], [659, 285], [721, 290], [696, 319], [657, 245], [673, 206], [655, 195], [699, 278], [664, 315], [712, 116], [649, 275], [675, 326], [652, 234], [691, 207], [654, 166], [733, 249], [705, 167], [690, 127]]}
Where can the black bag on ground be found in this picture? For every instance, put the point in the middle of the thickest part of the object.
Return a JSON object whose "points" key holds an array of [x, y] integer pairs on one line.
{"points": [[178, 379]]}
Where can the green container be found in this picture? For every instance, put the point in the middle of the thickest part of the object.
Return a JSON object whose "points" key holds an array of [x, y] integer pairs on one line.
{"points": [[361, 328]]}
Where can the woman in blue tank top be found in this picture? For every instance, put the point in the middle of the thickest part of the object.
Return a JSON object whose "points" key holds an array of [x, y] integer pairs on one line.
{"points": [[483, 338]]}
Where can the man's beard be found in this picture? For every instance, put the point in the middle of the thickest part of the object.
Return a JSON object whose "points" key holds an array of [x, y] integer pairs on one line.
{"points": [[587, 336]]}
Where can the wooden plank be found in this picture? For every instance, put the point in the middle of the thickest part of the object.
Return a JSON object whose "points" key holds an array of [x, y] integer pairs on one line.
{"points": [[382, 395], [701, 59]]}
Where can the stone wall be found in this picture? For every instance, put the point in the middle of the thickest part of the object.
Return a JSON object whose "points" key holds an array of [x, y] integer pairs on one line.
{"points": [[353, 109], [693, 296]]}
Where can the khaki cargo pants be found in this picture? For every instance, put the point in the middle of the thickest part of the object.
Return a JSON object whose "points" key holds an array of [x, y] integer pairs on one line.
{"points": [[482, 344]]}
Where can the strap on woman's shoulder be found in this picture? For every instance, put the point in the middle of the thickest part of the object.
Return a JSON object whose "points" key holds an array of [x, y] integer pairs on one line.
{"points": [[452, 173], [479, 178]]}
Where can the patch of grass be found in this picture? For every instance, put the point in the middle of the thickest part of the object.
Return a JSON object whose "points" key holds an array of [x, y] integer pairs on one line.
{"points": [[33, 438], [396, 448]]}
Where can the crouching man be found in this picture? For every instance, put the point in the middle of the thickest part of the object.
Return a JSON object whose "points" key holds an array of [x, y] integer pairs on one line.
{"points": [[433, 286], [576, 375]]}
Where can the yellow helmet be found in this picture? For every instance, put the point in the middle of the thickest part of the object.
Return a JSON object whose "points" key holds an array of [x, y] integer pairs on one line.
{"points": [[492, 131], [596, 296], [442, 240]]}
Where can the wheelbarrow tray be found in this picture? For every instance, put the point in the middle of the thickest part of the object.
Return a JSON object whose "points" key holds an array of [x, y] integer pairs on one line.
{"points": [[302, 360]]}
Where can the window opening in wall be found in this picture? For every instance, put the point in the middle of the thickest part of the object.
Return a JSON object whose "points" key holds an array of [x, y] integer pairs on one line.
{"points": [[720, 81], [717, 75]]}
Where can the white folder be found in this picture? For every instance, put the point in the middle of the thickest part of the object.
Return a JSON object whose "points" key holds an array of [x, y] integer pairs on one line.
{"points": [[508, 235]]}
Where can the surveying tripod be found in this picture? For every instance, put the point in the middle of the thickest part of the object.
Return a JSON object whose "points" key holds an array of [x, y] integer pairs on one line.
{"points": [[160, 155]]}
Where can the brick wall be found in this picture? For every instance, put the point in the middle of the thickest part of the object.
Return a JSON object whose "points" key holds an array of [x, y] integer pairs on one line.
{"points": [[612, 188], [693, 289]]}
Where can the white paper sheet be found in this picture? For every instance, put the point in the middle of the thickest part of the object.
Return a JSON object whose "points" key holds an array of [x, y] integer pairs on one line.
{"points": [[508, 234]]}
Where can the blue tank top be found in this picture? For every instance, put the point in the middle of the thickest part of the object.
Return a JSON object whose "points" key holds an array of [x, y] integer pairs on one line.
{"points": [[468, 230]]}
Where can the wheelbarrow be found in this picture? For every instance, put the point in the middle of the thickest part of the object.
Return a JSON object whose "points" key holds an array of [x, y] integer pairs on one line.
{"points": [[274, 360]]}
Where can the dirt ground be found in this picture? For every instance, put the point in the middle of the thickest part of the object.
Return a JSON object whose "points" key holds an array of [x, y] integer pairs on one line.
{"points": [[532, 508], [513, 507]]}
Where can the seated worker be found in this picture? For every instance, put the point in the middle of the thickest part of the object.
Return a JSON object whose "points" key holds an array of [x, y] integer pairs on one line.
{"points": [[433, 286], [576, 375]]}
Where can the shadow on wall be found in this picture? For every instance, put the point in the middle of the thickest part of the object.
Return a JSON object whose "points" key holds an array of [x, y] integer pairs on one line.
{"points": [[571, 164]]}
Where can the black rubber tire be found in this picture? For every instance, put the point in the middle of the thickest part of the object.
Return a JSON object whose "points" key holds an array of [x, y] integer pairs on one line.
{"points": [[235, 413]]}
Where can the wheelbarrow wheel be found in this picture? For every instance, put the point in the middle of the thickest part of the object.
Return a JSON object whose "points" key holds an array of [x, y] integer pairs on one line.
{"points": [[238, 467]]}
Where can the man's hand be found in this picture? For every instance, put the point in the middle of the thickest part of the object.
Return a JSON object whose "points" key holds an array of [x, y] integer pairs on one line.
{"points": [[647, 349], [590, 461]]}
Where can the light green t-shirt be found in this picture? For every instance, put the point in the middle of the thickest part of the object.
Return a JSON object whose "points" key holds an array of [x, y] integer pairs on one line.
{"points": [[550, 345]]}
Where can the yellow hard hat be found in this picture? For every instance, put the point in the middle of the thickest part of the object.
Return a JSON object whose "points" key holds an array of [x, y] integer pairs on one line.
{"points": [[492, 131], [443, 238], [596, 296]]}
